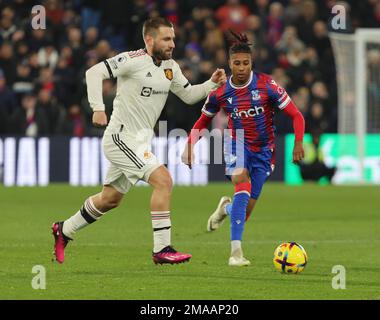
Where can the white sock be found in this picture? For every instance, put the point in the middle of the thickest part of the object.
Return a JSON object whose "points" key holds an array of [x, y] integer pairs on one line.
{"points": [[85, 216], [161, 229], [236, 248]]}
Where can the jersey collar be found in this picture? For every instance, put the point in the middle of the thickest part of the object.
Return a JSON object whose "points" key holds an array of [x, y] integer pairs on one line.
{"points": [[155, 61], [244, 85]]}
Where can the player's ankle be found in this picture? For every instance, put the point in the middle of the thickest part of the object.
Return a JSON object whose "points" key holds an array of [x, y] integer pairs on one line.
{"points": [[236, 250]]}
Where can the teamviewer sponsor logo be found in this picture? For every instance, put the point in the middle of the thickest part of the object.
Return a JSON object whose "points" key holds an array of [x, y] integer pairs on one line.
{"points": [[146, 92]]}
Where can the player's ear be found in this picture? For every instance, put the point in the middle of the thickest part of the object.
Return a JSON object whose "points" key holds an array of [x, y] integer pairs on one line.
{"points": [[149, 40]]}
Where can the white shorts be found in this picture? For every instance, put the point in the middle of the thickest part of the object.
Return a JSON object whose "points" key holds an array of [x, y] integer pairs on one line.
{"points": [[130, 161]]}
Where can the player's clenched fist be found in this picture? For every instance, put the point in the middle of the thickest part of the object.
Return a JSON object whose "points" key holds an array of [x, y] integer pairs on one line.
{"points": [[188, 156], [298, 152], [219, 77], [99, 119]]}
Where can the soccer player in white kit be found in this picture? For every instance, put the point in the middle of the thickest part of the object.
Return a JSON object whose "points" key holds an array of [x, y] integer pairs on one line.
{"points": [[144, 79]]}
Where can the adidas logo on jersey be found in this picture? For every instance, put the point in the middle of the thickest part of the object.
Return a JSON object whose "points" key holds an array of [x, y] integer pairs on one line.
{"points": [[148, 75]]}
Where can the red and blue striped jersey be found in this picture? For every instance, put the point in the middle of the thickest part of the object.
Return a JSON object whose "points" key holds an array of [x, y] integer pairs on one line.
{"points": [[250, 107]]}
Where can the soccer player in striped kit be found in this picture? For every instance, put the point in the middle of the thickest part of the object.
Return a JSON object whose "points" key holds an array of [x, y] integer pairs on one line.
{"points": [[144, 79], [249, 98]]}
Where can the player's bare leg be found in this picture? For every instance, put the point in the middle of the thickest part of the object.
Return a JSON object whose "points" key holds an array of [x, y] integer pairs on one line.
{"points": [[242, 184], [163, 252], [92, 210], [250, 207], [108, 199]]}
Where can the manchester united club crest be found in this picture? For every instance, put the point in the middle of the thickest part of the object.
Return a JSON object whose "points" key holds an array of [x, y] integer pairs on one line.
{"points": [[147, 155], [169, 74]]}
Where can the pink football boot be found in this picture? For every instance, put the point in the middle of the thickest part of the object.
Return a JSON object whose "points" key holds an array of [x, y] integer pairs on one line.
{"points": [[169, 255], [60, 241]]}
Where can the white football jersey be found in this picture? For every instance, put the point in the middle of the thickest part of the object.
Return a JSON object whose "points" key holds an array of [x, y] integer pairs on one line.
{"points": [[142, 90]]}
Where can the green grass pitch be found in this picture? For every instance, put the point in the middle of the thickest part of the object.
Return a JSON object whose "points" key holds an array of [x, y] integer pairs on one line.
{"points": [[111, 259]]}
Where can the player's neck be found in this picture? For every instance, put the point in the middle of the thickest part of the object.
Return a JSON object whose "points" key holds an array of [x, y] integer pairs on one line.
{"points": [[156, 61], [235, 81], [238, 83]]}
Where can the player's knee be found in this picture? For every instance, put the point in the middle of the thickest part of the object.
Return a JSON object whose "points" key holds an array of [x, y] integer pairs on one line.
{"points": [[240, 176], [168, 184], [165, 184], [161, 180]]}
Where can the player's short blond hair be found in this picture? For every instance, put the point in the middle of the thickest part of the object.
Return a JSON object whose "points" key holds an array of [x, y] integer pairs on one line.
{"points": [[151, 25]]}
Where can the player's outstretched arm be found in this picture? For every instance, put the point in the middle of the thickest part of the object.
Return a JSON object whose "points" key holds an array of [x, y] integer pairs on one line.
{"points": [[299, 130], [192, 94], [195, 134]]}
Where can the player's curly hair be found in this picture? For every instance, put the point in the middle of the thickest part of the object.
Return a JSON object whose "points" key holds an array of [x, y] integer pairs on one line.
{"points": [[239, 43]]}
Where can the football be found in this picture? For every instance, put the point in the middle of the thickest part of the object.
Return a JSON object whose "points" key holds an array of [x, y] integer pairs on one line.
{"points": [[290, 257]]}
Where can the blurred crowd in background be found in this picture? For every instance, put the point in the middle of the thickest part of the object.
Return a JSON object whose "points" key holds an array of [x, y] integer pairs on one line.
{"points": [[42, 83]]}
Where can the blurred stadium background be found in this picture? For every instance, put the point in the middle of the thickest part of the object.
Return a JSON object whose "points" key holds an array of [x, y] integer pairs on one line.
{"points": [[46, 137], [43, 92]]}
